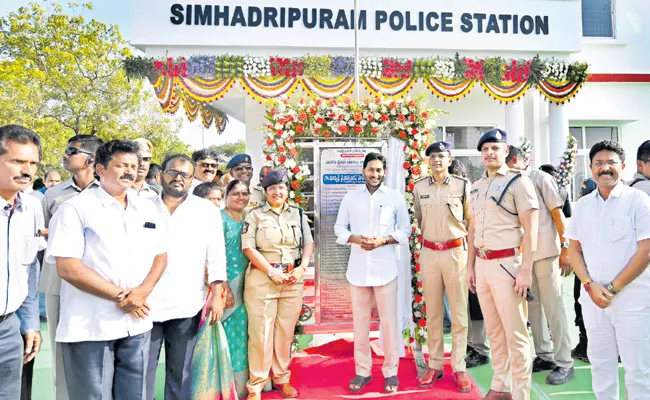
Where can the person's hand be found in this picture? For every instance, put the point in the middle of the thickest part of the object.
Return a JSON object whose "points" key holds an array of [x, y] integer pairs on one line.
{"points": [[371, 242], [44, 232], [141, 313], [565, 263], [229, 296], [215, 309], [295, 275], [135, 299], [471, 280], [599, 295], [278, 278], [33, 341], [523, 279]]}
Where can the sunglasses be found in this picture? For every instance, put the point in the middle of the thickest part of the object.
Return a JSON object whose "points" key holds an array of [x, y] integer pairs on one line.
{"points": [[209, 165], [242, 168], [72, 151], [172, 173], [146, 158]]}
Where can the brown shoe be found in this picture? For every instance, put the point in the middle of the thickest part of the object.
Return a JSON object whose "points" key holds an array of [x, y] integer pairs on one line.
{"points": [[254, 396], [285, 389], [430, 377], [463, 383], [494, 395]]}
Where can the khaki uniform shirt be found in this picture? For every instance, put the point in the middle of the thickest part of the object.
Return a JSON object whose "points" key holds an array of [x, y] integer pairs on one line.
{"points": [[55, 196], [276, 236], [548, 195], [494, 227], [146, 191], [442, 208], [257, 198], [643, 184]]}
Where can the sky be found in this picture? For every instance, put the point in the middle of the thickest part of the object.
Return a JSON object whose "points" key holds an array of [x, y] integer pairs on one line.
{"points": [[120, 13]]}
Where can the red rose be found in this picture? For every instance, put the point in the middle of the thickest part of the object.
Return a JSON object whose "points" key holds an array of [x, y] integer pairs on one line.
{"points": [[425, 115], [347, 101], [417, 268], [300, 129], [290, 140], [411, 186], [412, 340], [418, 298], [295, 185], [331, 115], [333, 102], [385, 118], [282, 159], [344, 129], [281, 149], [416, 255], [282, 121], [326, 133], [272, 112], [298, 199], [320, 120], [319, 102], [422, 322], [293, 152], [316, 131], [401, 118], [358, 129], [415, 145], [412, 103], [413, 231], [392, 105], [370, 118], [420, 239], [296, 169], [406, 165], [424, 310], [268, 157], [290, 118], [312, 110], [414, 156], [374, 130], [357, 117], [402, 134], [340, 117], [412, 117], [414, 131], [279, 132], [269, 142], [425, 132], [419, 284], [302, 116]]}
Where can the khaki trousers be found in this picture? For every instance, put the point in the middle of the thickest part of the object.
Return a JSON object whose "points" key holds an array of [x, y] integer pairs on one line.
{"points": [[547, 289], [445, 271], [505, 315], [52, 309], [273, 312], [362, 304]]}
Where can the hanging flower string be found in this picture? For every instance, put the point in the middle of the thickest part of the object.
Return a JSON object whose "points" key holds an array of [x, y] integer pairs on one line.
{"points": [[405, 118], [527, 148], [567, 165]]}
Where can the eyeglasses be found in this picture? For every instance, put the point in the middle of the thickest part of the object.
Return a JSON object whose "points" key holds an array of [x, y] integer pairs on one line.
{"points": [[72, 151], [277, 188], [172, 173], [146, 158], [209, 165], [611, 163], [242, 168]]}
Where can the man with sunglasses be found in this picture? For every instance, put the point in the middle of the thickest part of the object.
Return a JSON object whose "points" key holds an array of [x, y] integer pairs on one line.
{"points": [[206, 162], [240, 168], [140, 186], [79, 160], [179, 296]]}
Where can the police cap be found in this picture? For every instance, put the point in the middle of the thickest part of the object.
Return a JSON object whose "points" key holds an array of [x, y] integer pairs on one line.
{"points": [[437, 147], [495, 135], [239, 159], [274, 177]]}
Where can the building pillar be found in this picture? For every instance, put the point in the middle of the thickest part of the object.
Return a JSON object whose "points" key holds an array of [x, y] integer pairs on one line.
{"points": [[515, 122], [254, 120], [558, 127]]}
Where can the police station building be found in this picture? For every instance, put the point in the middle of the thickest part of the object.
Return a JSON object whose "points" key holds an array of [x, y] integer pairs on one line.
{"points": [[609, 35]]}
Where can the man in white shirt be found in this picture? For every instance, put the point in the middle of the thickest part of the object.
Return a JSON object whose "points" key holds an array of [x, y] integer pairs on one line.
{"points": [[609, 248], [206, 162], [21, 219], [372, 220], [194, 227], [641, 179], [109, 246], [79, 160], [140, 186]]}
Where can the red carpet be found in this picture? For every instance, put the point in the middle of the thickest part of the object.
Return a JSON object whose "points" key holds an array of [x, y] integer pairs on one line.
{"points": [[324, 372]]}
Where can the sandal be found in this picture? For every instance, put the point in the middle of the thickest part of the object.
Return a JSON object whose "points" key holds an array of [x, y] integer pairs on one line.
{"points": [[391, 384], [359, 382]]}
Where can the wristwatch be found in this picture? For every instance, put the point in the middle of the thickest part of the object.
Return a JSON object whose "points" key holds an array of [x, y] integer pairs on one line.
{"points": [[272, 272], [565, 245], [611, 289]]}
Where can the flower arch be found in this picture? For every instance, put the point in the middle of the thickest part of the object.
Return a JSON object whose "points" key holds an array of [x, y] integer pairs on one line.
{"points": [[406, 119]]}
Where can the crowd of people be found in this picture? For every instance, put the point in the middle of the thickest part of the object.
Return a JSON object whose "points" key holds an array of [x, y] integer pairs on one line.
{"points": [[133, 256]]}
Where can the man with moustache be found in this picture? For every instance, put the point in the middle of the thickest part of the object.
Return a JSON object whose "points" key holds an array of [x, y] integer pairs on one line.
{"points": [[79, 160], [372, 220], [441, 204], [240, 168], [206, 162], [140, 186], [21, 221], [109, 246], [179, 296], [503, 232], [609, 249]]}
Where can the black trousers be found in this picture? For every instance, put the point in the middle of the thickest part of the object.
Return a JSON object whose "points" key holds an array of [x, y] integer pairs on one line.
{"points": [[578, 308]]}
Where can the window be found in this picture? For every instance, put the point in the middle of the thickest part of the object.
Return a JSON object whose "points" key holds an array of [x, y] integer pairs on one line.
{"points": [[598, 18], [463, 141], [587, 136]]}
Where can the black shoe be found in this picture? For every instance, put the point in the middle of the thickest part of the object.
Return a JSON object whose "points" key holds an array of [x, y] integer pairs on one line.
{"points": [[446, 329], [542, 365], [580, 352], [560, 376], [476, 360]]}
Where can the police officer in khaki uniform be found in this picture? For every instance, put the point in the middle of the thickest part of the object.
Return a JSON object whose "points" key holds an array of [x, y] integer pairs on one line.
{"points": [[441, 207], [241, 168], [277, 240], [503, 233], [551, 262]]}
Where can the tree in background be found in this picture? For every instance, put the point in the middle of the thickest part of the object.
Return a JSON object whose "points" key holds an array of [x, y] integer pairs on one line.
{"points": [[61, 75], [227, 151]]}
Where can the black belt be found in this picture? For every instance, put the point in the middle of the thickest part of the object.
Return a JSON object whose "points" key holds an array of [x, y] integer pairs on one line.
{"points": [[5, 317]]}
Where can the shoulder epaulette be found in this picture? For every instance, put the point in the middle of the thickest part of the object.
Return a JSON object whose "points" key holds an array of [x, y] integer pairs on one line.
{"points": [[460, 177], [427, 178]]}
